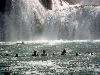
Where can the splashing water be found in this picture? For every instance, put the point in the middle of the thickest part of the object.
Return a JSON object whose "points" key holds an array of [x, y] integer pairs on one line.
{"points": [[29, 20], [89, 2], [26, 64]]}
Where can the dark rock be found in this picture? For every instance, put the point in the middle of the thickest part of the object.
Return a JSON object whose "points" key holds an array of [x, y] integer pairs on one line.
{"points": [[2, 5], [47, 4], [71, 1]]}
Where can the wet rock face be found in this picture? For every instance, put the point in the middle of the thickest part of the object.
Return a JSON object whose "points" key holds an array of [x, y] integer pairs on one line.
{"points": [[2, 5], [71, 1], [5, 6], [61, 2], [47, 4]]}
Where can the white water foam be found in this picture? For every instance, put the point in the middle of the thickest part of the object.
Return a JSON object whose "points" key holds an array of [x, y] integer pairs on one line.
{"points": [[29, 20]]}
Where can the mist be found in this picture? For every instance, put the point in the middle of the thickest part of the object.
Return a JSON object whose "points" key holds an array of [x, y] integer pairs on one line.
{"points": [[89, 2]]}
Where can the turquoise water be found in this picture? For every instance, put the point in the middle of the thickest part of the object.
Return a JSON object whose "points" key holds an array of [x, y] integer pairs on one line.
{"points": [[25, 64]]}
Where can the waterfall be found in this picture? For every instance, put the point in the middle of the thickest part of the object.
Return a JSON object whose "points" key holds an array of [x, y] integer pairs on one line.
{"points": [[30, 20], [89, 2], [74, 22], [25, 20]]}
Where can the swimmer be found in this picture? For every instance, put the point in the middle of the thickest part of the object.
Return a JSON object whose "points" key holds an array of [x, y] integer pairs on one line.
{"points": [[16, 55], [6, 54], [20, 43], [54, 53], [35, 54], [64, 52], [77, 54], [89, 53], [44, 53]]}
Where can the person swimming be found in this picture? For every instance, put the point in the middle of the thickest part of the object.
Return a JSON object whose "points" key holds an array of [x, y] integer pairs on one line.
{"points": [[35, 54], [6, 54], [89, 53], [64, 52], [16, 55], [44, 53], [77, 54], [20, 43], [54, 53]]}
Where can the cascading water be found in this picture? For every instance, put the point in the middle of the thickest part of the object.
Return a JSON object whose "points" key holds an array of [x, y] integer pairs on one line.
{"points": [[29, 20], [31, 26], [89, 2], [24, 20]]}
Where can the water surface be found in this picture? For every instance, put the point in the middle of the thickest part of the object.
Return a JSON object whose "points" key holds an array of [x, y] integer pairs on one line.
{"points": [[25, 64]]}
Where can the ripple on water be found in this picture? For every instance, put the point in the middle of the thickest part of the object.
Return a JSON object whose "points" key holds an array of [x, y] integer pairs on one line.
{"points": [[84, 64]]}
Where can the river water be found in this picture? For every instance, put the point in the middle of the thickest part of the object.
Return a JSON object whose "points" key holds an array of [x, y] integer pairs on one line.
{"points": [[26, 64]]}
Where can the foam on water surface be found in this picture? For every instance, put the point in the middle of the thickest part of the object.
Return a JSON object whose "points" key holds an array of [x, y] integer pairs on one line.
{"points": [[58, 64]]}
